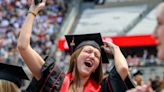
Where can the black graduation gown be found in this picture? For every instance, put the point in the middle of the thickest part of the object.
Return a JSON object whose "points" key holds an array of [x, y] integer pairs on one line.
{"points": [[52, 78], [114, 83]]}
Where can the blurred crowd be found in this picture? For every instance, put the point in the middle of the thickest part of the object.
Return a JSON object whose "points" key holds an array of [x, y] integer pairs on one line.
{"points": [[146, 59], [156, 82], [45, 30]]}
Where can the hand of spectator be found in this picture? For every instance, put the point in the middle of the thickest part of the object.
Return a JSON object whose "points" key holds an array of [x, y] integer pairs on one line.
{"points": [[109, 47], [143, 88], [36, 8]]}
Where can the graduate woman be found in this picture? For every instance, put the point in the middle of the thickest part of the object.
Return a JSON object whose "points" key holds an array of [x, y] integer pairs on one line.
{"points": [[85, 74]]}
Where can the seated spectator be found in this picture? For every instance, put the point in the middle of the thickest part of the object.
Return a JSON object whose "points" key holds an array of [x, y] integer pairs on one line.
{"points": [[156, 84], [137, 77]]}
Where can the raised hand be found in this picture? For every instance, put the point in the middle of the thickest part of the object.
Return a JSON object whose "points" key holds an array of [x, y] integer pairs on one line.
{"points": [[109, 47], [36, 8]]}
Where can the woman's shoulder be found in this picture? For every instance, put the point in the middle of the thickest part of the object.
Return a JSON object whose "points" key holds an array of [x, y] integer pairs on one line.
{"points": [[52, 76], [114, 83]]}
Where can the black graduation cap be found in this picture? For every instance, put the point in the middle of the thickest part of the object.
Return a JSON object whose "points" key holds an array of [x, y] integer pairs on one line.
{"points": [[137, 72], [76, 41], [12, 73]]}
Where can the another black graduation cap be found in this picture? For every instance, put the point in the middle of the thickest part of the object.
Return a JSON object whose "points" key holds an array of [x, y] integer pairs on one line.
{"points": [[76, 41], [137, 72], [12, 73]]}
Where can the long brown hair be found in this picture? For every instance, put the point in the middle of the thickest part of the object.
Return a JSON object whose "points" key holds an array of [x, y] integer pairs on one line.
{"points": [[7, 86], [97, 76]]}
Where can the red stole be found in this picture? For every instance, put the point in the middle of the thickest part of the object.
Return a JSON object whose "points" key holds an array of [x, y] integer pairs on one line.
{"points": [[90, 86]]}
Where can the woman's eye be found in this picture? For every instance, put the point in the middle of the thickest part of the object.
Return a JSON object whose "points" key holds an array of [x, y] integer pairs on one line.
{"points": [[96, 55]]}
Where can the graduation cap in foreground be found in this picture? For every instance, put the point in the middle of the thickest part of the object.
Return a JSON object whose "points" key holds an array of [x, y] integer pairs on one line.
{"points": [[76, 41], [12, 73]]}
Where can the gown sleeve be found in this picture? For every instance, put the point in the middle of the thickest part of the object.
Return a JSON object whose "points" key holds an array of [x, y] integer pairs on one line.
{"points": [[114, 83], [51, 77]]}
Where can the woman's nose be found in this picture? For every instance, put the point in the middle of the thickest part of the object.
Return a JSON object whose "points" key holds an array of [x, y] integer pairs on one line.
{"points": [[92, 55]]}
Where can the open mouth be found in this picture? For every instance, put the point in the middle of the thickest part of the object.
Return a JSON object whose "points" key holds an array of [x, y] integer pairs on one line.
{"points": [[88, 64]]}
